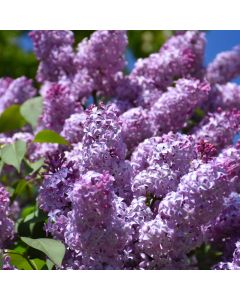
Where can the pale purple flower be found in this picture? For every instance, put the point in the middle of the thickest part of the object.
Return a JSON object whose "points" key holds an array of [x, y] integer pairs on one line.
{"points": [[174, 107], [16, 92], [180, 56], [224, 67], [218, 128], [73, 127], [54, 50], [136, 127], [58, 105], [103, 56], [225, 96]]}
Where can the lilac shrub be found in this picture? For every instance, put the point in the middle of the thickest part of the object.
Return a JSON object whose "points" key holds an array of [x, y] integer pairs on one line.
{"points": [[148, 173]]}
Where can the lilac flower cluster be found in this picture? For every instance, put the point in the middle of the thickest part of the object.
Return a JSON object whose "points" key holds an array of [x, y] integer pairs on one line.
{"points": [[134, 192], [135, 188], [15, 91]]}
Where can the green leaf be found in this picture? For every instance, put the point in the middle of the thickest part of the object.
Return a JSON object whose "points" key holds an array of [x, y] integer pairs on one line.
{"points": [[1, 165], [31, 110], [49, 136], [27, 211], [38, 263], [13, 154], [49, 264], [11, 119], [19, 261], [10, 190], [35, 166], [21, 187], [55, 250]]}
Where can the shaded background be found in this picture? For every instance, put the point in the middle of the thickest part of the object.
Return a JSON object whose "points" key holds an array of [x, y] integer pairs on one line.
{"points": [[17, 58]]}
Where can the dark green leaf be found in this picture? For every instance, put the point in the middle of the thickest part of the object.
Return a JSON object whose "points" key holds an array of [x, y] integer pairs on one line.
{"points": [[31, 110], [55, 250], [49, 136], [11, 119]]}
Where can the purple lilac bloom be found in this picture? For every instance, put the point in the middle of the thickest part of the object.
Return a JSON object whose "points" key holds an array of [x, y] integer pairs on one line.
{"points": [[224, 67], [103, 56], [198, 199], [73, 127], [4, 84], [142, 152], [219, 128], [136, 127], [58, 105], [174, 107], [16, 92], [103, 145], [94, 227], [224, 229], [54, 50], [180, 56], [225, 96]]}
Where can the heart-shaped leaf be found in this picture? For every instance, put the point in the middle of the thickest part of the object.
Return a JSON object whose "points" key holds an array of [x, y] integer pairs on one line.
{"points": [[55, 250], [13, 154]]}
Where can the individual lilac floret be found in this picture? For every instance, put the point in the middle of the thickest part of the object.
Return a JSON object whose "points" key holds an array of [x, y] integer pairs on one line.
{"points": [[175, 106], [54, 50], [17, 92], [219, 128], [6, 224], [180, 56], [95, 228], [224, 67], [58, 105], [142, 152], [73, 127], [103, 56], [225, 96], [234, 264], [136, 127]]}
